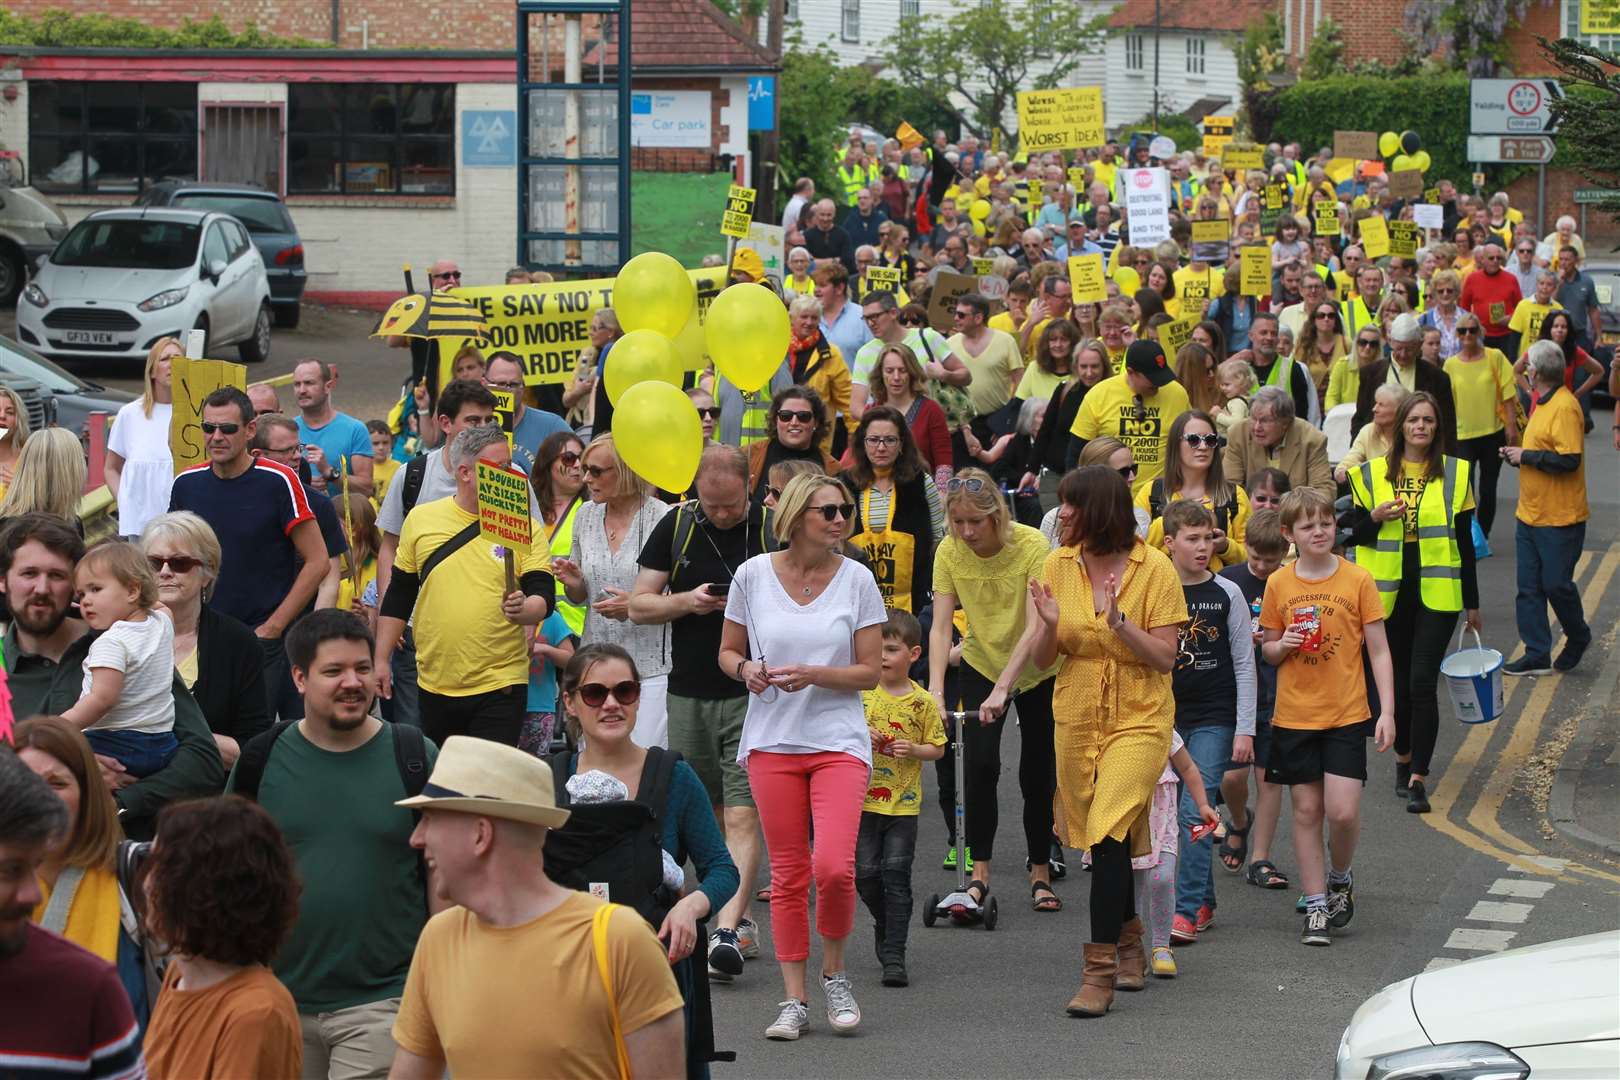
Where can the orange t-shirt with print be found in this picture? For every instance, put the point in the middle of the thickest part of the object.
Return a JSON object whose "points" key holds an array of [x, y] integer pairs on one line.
{"points": [[1320, 685]]}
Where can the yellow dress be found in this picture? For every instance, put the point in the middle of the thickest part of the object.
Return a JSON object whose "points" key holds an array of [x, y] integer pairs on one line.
{"points": [[1112, 713]]}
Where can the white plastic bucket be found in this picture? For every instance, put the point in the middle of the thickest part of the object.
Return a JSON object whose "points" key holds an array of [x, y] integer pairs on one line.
{"points": [[1474, 680]]}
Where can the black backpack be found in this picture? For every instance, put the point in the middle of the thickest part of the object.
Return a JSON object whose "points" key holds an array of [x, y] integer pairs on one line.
{"points": [[1223, 511], [411, 482], [410, 755]]}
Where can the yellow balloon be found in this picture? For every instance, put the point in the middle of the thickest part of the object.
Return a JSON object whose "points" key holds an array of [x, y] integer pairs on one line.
{"points": [[657, 431], [747, 333], [1422, 161], [691, 353], [1401, 163], [980, 211], [637, 357], [653, 292], [1389, 143]]}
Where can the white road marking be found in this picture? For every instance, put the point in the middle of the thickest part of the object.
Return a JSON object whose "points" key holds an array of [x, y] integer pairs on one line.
{"points": [[1442, 962], [1547, 862], [1467, 939], [1500, 912], [1528, 890]]}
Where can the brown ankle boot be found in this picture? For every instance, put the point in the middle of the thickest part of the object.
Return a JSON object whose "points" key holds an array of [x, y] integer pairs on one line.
{"points": [[1096, 991], [1132, 974]]}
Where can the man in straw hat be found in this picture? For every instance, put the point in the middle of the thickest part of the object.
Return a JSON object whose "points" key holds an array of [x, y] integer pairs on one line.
{"points": [[515, 937]]}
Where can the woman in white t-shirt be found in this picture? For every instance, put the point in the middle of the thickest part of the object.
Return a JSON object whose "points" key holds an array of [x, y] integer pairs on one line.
{"points": [[140, 469], [803, 631]]}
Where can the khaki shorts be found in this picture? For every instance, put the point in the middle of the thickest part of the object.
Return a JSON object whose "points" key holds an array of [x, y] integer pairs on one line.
{"points": [[707, 732]]}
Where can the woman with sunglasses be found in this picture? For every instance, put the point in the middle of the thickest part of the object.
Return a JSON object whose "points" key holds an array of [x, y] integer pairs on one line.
{"points": [[602, 690], [1321, 344], [1106, 610], [1485, 395], [218, 658], [140, 469], [1107, 451], [600, 572], [798, 424], [1344, 380], [1445, 287], [900, 516], [984, 567], [1050, 447], [559, 491], [816, 363], [1194, 470], [803, 632]]}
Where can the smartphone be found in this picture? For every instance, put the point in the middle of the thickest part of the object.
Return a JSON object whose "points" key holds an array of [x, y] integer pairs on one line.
{"points": [[721, 589]]}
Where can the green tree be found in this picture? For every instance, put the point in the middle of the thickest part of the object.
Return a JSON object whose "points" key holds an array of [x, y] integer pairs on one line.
{"points": [[1259, 55], [1588, 115], [983, 54], [814, 102], [61, 28], [1325, 56]]}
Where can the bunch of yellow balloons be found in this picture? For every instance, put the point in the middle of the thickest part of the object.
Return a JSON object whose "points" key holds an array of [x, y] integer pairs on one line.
{"points": [[1405, 150], [745, 332]]}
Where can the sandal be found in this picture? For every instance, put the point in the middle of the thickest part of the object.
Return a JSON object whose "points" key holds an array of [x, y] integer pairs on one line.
{"points": [[982, 895], [1264, 874], [1233, 855], [1050, 902], [763, 895]]}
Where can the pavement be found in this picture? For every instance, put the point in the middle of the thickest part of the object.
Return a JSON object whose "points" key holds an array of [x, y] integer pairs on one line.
{"points": [[1522, 847]]}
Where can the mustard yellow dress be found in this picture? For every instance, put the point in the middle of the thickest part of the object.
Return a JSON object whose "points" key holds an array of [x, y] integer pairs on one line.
{"points": [[1112, 713]]}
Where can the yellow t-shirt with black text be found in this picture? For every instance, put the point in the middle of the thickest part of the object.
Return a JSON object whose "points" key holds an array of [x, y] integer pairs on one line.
{"points": [[1527, 319], [464, 645], [1409, 486], [896, 785], [1112, 408]]}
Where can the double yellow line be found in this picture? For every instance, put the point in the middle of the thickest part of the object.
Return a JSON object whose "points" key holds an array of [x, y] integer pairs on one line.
{"points": [[1482, 831]]}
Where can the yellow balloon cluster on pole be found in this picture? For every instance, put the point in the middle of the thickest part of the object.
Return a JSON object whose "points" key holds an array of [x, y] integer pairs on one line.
{"points": [[747, 333], [658, 433], [653, 292], [639, 356]]}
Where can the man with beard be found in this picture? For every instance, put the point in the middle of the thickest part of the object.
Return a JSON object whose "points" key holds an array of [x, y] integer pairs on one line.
{"points": [[44, 658], [330, 781], [66, 1013]]}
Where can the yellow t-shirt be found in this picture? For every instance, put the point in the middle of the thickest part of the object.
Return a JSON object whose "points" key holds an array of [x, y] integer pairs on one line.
{"points": [[1193, 288], [459, 1006], [1409, 487], [1547, 498], [346, 591], [1527, 320], [992, 370], [1237, 526], [1320, 685], [382, 474], [1477, 388], [1110, 408], [896, 785], [992, 591], [1003, 321], [464, 645], [1038, 383]]}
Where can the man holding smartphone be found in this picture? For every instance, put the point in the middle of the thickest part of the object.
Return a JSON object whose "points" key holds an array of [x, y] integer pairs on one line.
{"points": [[686, 570]]}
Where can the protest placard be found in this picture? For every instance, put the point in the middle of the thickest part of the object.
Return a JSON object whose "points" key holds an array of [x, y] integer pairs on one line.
{"points": [[1210, 240], [1060, 119], [1429, 216], [1087, 279], [1357, 145], [1240, 157], [882, 279], [739, 211], [1325, 219], [1406, 183], [192, 381], [1176, 333], [503, 507], [1255, 276], [1404, 237], [505, 410], [1146, 194], [948, 288], [1374, 236], [983, 265], [1217, 133], [769, 242]]}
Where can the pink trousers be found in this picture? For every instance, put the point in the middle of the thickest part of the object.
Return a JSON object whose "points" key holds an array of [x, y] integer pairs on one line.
{"points": [[792, 791]]}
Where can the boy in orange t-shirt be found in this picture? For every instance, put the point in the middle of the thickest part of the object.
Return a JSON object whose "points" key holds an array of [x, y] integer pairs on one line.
{"points": [[1317, 613]]}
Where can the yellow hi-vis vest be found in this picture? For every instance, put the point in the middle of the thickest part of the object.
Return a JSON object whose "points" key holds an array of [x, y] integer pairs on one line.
{"points": [[853, 178], [1440, 564], [560, 546]]}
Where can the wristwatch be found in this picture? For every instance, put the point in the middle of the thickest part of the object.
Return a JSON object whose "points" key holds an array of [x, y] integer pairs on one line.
{"points": [[332, 476]]}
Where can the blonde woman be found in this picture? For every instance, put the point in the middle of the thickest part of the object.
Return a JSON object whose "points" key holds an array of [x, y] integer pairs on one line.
{"points": [[13, 433], [140, 469], [49, 477]]}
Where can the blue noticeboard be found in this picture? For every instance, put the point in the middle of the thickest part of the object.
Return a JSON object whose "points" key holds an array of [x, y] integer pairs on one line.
{"points": [[762, 103], [488, 138]]}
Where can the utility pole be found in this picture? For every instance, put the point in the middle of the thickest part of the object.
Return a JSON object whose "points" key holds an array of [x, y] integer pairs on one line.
{"points": [[770, 141], [1157, 27]]}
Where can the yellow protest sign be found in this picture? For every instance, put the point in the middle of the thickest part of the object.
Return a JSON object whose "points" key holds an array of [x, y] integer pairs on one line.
{"points": [[1600, 17], [505, 411], [547, 325], [1217, 133], [1340, 169], [1087, 279], [882, 279], [908, 136], [1034, 198], [503, 507], [1211, 232], [983, 265], [1242, 157], [739, 212], [1404, 237], [1374, 237], [1077, 179], [1256, 271], [1173, 335], [1325, 219], [192, 382], [1060, 119]]}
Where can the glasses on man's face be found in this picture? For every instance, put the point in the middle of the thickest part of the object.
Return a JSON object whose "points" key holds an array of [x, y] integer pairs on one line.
{"points": [[509, 387], [972, 485], [223, 429], [180, 564], [595, 694], [959, 314], [448, 275], [883, 440], [295, 450], [803, 416], [829, 511], [709, 412], [1199, 441], [872, 316], [1527, 251]]}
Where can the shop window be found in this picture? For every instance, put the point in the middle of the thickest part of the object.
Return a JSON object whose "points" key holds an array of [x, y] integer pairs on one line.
{"points": [[371, 139], [110, 137]]}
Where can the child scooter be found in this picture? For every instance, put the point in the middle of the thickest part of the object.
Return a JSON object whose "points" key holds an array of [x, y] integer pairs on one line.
{"points": [[958, 905]]}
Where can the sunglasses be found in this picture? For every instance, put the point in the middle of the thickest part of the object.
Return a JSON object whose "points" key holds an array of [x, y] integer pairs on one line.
{"points": [[803, 416], [569, 459], [1467, 329], [1129, 471], [836, 510], [1208, 442], [972, 485], [223, 429], [913, 323], [710, 413], [1324, 314], [774, 492], [448, 275], [1366, 343], [180, 564], [1445, 290], [596, 472], [595, 694]]}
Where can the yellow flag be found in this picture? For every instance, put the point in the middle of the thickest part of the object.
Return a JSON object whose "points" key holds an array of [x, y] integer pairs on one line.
{"points": [[908, 136]]}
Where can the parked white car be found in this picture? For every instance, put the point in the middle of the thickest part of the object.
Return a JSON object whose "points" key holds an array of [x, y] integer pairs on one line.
{"points": [[1548, 1010], [121, 279]]}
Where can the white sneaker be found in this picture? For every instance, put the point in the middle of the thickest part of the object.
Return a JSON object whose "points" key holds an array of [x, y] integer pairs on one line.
{"points": [[842, 1012], [748, 939], [793, 1019]]}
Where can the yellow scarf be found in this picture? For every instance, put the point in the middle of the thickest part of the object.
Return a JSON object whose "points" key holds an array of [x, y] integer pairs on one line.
{"points": [[96, 915]]}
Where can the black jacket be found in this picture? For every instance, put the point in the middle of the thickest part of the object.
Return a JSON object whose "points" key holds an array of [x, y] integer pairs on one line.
{"points": [[230, 677], [1429, 378]]}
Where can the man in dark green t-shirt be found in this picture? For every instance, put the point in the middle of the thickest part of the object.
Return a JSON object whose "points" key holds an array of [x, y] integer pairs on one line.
{"points": [[331, 781]]}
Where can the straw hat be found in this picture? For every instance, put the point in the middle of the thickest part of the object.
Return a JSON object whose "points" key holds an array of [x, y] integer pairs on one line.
{"points": [[476, 776]]}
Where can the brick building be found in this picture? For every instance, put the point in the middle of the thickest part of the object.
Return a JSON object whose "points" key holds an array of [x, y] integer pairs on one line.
{"points": [[397, 145]]}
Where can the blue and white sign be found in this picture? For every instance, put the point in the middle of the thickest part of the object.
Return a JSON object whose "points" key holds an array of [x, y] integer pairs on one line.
{"points": [[670, 118], [488, 138], [762, 103]]}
